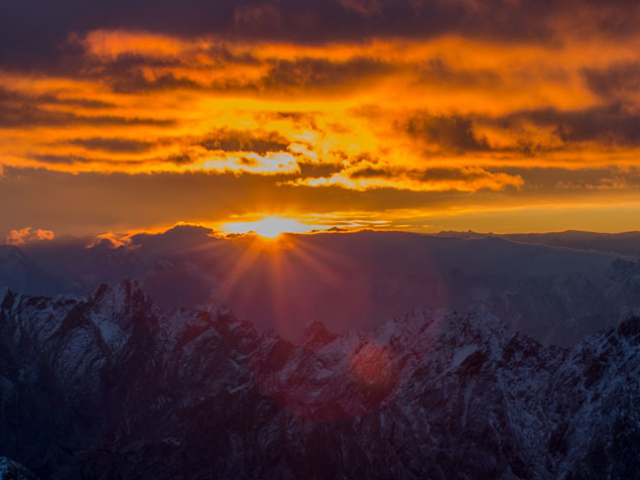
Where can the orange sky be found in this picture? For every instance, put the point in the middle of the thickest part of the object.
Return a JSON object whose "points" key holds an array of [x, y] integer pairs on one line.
{"points": [[127, 129]]}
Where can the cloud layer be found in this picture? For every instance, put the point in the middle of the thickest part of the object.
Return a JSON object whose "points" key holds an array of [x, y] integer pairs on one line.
{"points": [[367, 106]]}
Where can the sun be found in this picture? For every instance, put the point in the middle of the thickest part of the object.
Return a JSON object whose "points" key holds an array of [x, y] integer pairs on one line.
{"points": [[268, 227]]}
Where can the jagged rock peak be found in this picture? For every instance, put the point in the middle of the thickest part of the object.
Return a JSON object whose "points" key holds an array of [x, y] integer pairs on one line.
{"points": [[10, 470], [199, 394], [316, 336]]}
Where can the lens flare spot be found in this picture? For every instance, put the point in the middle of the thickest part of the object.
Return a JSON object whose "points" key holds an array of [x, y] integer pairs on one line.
{"points": [[373, 366]]}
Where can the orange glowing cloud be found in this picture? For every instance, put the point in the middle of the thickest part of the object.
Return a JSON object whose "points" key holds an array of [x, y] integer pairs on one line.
{"points": [[390, 123], [27, 235]]}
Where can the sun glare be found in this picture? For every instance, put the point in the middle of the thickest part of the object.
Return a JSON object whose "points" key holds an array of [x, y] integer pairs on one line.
{"points": [[269, 227]]}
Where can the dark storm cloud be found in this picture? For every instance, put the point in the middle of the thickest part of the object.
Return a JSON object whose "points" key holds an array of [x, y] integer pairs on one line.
{"points": [[258, 16], [609, 125], [126, 74], [303, 118], [229, 140], [320, 72], [615, 81], [59, 159], [363, 7], [428, 175], [73, 102], [441, 178], [453, 133], [32, 32], [314, 170], [134, 81], [299, 119], [555, 180], [53, 159], [436, 70], [20, 110], [112, 145], [12, 98], [614, 123], [34, 116]]}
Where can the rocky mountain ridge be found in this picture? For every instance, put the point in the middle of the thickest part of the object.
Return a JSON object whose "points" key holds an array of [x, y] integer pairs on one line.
{"points": [[10, 470], [108, 385]]}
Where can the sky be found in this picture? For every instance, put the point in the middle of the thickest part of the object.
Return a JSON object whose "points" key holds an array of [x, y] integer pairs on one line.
{"points": [[419, 115]]}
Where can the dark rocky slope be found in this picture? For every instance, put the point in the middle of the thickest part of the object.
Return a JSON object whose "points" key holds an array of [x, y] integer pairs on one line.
{"points": [[10, 470], [108, 386]]}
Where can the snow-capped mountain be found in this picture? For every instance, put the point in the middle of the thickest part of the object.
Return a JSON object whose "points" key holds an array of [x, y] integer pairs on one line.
{"points": [[108, 385]]}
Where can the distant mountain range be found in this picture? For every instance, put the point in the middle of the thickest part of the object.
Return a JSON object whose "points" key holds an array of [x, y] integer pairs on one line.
{"points": [[557, 294], [624, 244], [108, 385]]}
